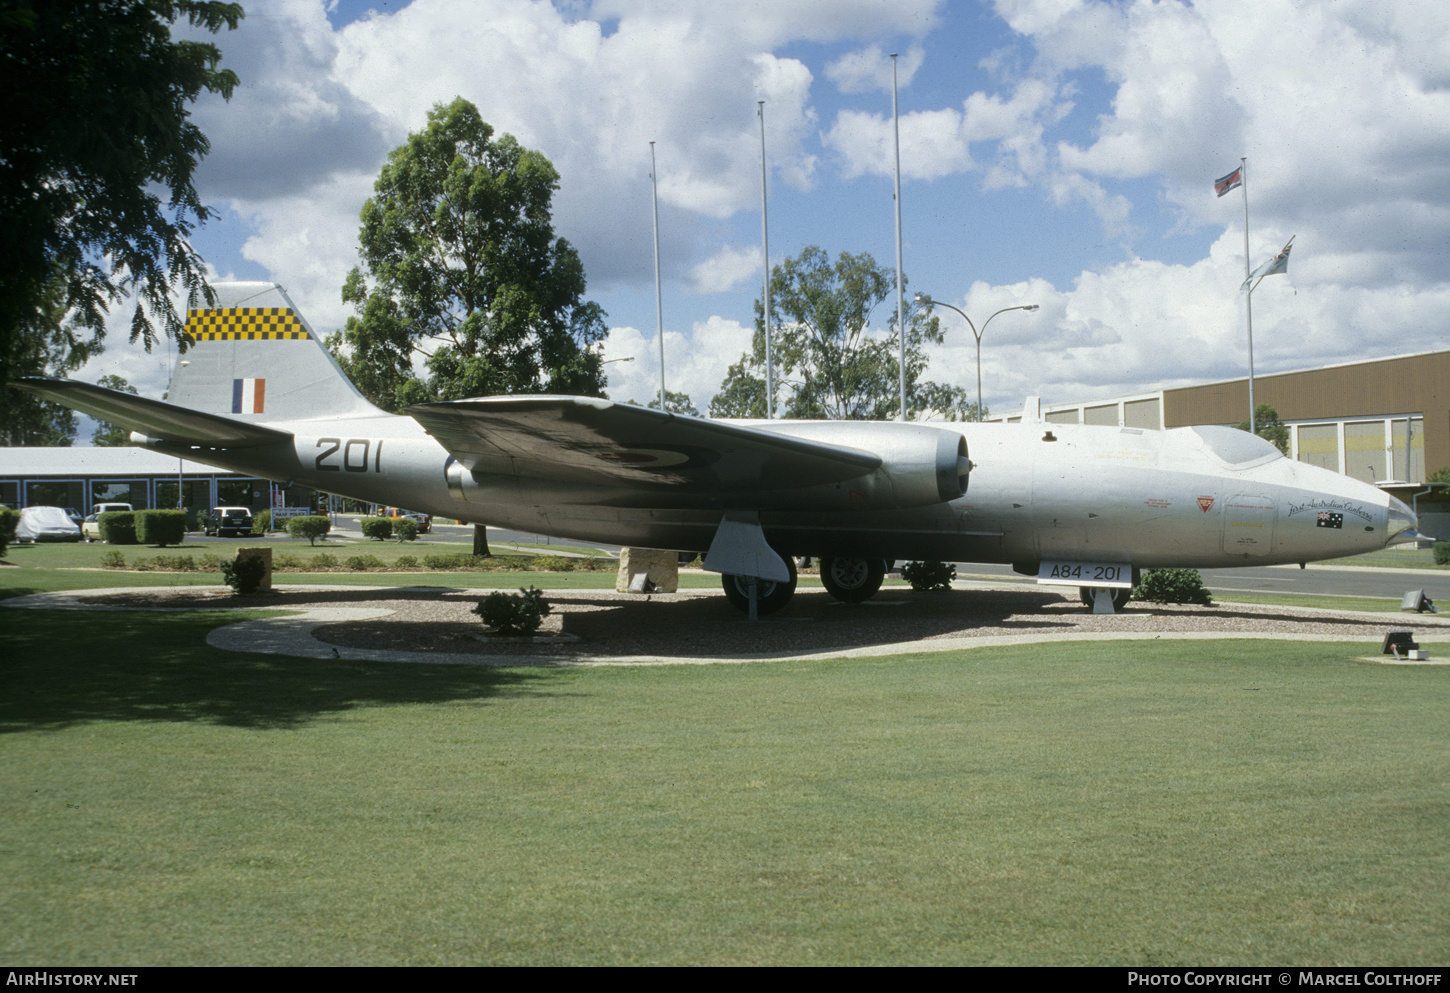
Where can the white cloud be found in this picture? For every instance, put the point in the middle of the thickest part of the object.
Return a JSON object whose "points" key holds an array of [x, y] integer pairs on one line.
{"points": [[727, 269], [869, 68], [695, 364]]}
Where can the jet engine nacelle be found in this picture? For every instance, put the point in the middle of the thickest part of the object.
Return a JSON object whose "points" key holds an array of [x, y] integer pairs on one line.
{"points": [[920, 465]]}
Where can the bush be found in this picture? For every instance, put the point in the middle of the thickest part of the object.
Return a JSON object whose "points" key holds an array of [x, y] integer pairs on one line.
{"points": [[360, 563], [377, 528], [167, 563], [160, 527], [512, 614], [310, 528], [1172, 586], [118, 527], [406, 562], [456, 560], [261, 522], [1442, 552], [324, 561], [551, 563], [209, 562], [405, 528], [113, 560], [8, 519], [244, 575], [925, 576]]}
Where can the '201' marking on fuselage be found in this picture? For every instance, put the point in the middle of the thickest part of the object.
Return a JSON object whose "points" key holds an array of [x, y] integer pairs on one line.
{"points": [[355, 452]]}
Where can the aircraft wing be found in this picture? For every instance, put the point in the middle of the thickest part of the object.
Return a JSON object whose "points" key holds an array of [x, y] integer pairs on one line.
{"points": [[599, 442], [165, 421]]}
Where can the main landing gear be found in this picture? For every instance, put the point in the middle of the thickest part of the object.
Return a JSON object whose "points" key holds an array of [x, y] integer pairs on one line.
{"points": [[850, 580], [770, 595]]}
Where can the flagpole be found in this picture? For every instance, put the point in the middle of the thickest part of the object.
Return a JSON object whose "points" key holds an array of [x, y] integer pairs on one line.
{"points": [[659, 303], [1248, 297], [900, 289], [765, 256]]}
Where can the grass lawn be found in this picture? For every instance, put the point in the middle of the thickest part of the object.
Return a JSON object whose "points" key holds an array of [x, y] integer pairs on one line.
{"points": [[165, 803]]}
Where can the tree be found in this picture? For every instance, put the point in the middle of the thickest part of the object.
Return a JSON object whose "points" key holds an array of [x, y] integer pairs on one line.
{"points": [[47, 345], [94, 132], [676, 403], [108, 435], [1271, 429], [830, 362], [460, 265]]}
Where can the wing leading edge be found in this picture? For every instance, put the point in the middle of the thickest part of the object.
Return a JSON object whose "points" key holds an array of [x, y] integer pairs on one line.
{"points": [[155, 418], [599, 442]]}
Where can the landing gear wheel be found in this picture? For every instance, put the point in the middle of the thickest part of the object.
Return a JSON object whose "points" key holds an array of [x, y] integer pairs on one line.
{"points": [[852, 580], [1120, 597], [770, 595]]}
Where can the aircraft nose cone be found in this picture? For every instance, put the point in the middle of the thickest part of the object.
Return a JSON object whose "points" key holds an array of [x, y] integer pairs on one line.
{"points": [[1402, 523]]}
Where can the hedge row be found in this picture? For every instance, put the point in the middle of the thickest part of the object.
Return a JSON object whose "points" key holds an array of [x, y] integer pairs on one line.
{"points": [[326, 562]]}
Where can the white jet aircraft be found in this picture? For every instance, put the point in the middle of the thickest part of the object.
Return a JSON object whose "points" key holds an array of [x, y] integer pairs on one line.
{"points": [[1074, 505]]}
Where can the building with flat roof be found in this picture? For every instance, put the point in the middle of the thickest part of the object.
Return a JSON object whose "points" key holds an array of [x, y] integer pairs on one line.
{"points": [[1378, 420]]}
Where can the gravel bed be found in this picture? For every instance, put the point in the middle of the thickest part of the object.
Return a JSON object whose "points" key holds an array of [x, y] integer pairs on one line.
{"points": [[701, 624]]}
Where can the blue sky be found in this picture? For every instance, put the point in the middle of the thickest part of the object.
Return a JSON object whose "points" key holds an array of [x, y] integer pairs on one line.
{"points": [[1058, 152]]}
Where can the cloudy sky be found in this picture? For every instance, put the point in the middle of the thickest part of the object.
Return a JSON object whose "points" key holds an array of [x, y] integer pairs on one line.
{"points": [[1057, 152]]}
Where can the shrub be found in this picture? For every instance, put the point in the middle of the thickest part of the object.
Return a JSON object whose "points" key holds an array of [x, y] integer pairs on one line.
{"points": [[406, 562], [113, 560], [360, 563], [244, 575], [550, 563], [261, 522], [1172, 586], [929, 575], [118, 527], [160, 527], [512, 614], [8, 519], [209, 562], [1442, 552], [455, 560], [284, 562], [377, 528], [167, 563], [405, 528], [310, 528], [324, 561]]}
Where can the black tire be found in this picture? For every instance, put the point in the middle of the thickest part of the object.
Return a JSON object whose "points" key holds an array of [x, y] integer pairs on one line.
{"points": [[1120, 597], [852, 580], [770, 595]]}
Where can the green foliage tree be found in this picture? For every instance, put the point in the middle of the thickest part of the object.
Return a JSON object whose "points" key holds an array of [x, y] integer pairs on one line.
{"points": [[94, 133], [8, 519], [1440, 475], [46, 345], [1270, 428], [108, 435], [830, 362], [460, 265], [405, 529], [676, 403]]}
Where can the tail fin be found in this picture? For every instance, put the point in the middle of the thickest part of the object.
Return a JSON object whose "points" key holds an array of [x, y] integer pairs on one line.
{"points": [[253, 357]]}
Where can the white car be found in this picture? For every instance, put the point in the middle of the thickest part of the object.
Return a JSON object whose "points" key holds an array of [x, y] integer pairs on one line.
{"points": [[46, 524]]}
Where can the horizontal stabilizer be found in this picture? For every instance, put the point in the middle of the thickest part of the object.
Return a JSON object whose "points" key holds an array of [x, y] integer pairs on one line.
{"points": [[154, 418], [599, 442]]}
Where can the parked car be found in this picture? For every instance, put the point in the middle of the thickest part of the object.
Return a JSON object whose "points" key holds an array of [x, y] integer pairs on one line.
{"points": [[105, 508], [91, 528], [425, 521], [46, 524], [223, 521], [74, 515]]}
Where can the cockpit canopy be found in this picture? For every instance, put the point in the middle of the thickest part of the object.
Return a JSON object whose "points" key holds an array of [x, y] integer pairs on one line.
{"points": [[1236, 449]]}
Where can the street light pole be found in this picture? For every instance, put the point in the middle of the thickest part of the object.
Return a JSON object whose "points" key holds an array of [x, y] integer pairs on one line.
{"points": [[924, 300]]}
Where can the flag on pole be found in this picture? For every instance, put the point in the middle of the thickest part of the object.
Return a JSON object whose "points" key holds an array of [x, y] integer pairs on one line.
{"points": [[1279, 263], [1232, 181]]}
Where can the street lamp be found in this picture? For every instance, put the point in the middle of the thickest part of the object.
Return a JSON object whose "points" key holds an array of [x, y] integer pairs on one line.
{"points": [[924, 300]]}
